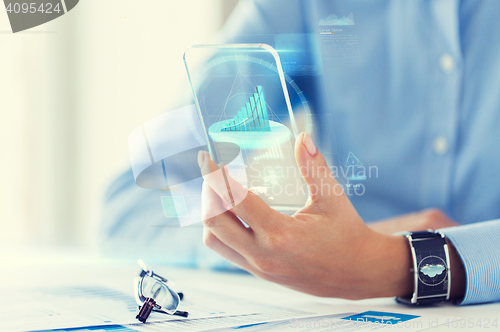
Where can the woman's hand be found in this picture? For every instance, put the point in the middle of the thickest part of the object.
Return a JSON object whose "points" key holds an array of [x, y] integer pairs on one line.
{"points": [[325, 249]]}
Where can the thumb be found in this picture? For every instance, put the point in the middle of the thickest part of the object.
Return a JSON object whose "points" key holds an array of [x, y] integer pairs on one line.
{"points": [[315, 171]]}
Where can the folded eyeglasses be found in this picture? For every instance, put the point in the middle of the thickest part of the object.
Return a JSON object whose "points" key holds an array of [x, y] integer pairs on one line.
{"points": [[154, 293]]}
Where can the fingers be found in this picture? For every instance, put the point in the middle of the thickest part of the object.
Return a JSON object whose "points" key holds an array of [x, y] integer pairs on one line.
{"points": [[315, 171], [212, 242], [223, 223], [230, 191], [437, 219], [248, 206], [411, 222]]}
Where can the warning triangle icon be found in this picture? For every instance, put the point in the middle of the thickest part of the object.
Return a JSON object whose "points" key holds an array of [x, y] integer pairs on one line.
{"points": [[352, 160]]}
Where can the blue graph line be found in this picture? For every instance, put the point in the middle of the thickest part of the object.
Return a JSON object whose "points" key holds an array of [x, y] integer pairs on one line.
{"points": [[96, 328]]}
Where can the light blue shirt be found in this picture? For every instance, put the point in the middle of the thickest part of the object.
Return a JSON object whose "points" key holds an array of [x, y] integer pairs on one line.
{"points": [[417, 95]]}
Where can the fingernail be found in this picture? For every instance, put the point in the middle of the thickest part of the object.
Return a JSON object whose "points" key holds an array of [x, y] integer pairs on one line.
{"points": [[201, 158], [309, 144]]}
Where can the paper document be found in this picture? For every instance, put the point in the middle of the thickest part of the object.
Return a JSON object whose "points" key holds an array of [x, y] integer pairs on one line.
{"points": [[67, 307], [282, 319], [99, 306], [265, 313], [353, 321]]}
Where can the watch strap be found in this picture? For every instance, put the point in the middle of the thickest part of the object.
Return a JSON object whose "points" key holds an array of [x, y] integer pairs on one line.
{"points": [[423, 245]]}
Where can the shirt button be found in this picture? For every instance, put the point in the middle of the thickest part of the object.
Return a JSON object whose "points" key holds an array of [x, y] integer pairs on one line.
{"points": [[447, 63], [440, 145]]}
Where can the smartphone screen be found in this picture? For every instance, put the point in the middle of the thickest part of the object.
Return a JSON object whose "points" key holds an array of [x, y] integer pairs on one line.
{"points": [[242, 99]]}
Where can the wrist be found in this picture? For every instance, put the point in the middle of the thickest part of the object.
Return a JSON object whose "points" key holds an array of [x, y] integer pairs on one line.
{"points": [[390, 265], [400, 273], [440, 275]]}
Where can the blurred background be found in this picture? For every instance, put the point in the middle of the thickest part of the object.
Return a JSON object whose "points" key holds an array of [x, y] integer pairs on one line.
{"points": [[71, 91]]}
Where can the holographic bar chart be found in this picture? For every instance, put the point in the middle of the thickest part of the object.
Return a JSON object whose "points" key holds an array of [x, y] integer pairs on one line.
{"points": [[274, 152], [253, 116]]}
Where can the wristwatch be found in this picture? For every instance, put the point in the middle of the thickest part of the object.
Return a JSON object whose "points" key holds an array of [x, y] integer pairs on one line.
{"points": [[431, 268]]}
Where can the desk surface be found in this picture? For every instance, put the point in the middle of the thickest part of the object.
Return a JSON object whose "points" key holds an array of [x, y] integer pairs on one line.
{"points": [[60, 267]]}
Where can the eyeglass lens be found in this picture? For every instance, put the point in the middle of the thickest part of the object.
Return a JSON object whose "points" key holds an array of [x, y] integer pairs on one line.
{"points": [[163, 296]]}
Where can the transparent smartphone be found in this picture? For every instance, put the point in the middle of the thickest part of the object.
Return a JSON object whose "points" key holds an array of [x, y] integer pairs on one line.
{"points": [[241, 95]]}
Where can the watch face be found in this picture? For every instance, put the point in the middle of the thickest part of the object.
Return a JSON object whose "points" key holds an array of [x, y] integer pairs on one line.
{"points": [[432, 270]]}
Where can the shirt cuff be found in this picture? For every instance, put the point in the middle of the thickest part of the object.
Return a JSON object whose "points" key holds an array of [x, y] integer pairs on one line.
{"points": [[478, 245]]}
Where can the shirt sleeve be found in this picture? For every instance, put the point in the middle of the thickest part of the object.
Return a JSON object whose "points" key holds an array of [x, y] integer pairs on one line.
{"points": [[478, 245]]}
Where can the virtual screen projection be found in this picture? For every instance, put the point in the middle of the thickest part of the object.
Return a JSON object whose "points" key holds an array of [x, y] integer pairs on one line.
{"points": [[242, 97], [249, 106]]}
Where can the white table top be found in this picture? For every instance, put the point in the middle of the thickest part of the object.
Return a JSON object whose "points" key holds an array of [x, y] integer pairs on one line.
{"points": [[38, 267]]}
